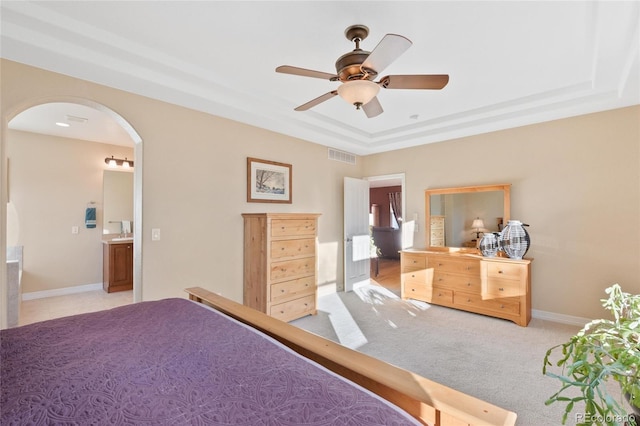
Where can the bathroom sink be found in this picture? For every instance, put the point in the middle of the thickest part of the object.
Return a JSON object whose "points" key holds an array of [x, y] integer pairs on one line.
{"points": [[122, 239]]}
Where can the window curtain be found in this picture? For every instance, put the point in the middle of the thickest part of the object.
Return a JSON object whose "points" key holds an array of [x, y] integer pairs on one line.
{"points": [[395, 200]]}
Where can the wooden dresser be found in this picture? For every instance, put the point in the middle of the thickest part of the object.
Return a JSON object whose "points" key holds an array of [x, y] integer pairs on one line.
{"points": [[280, 263], [498, 287]]}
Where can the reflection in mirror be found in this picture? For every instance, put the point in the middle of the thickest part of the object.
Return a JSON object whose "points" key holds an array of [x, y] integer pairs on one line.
{"points": [[451, 214], [117, 201]]}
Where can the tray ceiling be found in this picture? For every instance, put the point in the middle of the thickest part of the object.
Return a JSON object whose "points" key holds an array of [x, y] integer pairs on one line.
{"points": [[511, 63]]}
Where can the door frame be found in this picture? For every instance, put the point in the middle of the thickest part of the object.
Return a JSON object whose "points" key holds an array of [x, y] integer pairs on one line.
{"points": [[407, 240]]}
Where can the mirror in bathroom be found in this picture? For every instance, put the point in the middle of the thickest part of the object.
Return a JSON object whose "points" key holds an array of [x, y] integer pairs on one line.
{"points": [[117, 200]]}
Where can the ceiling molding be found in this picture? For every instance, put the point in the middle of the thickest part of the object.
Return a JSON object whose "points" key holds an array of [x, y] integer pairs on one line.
{"points": [[601, 51]]}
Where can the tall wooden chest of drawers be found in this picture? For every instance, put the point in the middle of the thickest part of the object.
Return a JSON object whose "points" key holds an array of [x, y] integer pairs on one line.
{"points": [[497, 286], [280, 263], [437, 231]]}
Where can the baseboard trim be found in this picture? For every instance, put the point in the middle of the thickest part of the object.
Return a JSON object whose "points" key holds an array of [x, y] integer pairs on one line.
{"points": [[561, 318], [61, 291]]}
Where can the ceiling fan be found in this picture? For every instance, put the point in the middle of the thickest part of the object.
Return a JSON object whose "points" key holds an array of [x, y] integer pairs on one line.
{"points": [[357, 69]]}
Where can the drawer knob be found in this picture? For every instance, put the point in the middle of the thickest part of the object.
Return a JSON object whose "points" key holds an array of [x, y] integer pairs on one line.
{"points": [[500, 271], [282, 312], [501, 306], [282, 291], [501, 289], [469, 284], [468, 300], [306, 304]]}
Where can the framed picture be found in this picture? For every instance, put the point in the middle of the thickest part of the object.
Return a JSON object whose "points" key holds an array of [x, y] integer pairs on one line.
{"points": [[268, 181]]}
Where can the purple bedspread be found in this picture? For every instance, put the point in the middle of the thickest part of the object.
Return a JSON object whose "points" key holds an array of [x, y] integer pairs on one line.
{"points": [[170, 362]]}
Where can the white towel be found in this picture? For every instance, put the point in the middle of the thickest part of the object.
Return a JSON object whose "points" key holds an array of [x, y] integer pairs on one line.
{"points": [[126, 226], [361, 248]]}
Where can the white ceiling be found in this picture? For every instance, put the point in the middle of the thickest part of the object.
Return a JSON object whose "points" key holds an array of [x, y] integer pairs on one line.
{"points": [[511, 63]]}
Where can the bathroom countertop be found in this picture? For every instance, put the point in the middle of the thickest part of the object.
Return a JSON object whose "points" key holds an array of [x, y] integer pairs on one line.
{"points": [[118, 240]]}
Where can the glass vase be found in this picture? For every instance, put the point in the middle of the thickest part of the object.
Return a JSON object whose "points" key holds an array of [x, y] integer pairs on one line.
{"points": [[489, 244], [514, 239]]}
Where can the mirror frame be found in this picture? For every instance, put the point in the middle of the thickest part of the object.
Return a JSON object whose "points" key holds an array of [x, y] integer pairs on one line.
{"points": [[505, 188]]}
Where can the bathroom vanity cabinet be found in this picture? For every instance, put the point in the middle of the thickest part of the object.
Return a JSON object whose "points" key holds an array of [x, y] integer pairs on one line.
{"points": [[117, 266]]}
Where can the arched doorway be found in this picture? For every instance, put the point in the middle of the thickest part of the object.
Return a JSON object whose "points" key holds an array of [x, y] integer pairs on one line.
{"points": [[115, 120]]}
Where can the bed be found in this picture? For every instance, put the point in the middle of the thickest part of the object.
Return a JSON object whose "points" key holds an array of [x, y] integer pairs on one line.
{"points": [[209, 360]]}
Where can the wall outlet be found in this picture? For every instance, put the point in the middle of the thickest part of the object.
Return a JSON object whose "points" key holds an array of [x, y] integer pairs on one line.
{"points": [[74, 229], [155, 234]]}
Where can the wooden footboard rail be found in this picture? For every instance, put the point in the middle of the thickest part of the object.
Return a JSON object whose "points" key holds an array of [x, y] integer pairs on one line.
{"points": [[429, 402]]}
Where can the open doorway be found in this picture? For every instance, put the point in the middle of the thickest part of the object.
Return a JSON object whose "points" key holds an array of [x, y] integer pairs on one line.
{"points": [[387, 209], [51, 224]]}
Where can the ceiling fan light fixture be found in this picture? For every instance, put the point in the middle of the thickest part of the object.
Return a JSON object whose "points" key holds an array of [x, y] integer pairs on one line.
{"points": [[358, 92]]}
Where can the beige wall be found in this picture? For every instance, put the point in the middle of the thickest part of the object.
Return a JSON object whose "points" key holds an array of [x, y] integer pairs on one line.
{"points": [[194, 183], [575, 181], [51, 182]]}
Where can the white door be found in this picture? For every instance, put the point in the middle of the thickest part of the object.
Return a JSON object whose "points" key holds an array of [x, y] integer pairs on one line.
{"points": [[356, 233]]}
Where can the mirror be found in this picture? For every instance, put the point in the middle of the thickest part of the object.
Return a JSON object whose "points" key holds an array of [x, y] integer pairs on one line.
{"points": [[450, 214], [117, 200]]}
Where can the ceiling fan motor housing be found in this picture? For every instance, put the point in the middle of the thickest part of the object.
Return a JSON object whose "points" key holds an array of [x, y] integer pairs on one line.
{"points": [[348, 66]]}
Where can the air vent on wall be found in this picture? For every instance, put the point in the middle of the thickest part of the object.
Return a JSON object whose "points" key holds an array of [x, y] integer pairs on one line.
{"points": [[345, 157]]}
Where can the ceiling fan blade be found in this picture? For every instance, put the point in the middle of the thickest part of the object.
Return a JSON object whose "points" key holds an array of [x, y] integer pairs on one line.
{"points": [[388, 50], [288, 69], [372, 108], [434, 81], [317, 101]]}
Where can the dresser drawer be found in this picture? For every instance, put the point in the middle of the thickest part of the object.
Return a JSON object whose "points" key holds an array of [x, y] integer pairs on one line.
{"points": [[497, 287], [449, 264], [442, 296], [513, 271], [437, 233], [294, 308], [413, 261], [287, 290], [506, 305], [290, 269], [288, 248], [292, 227], [412, 290], [469, 283], [419, 276]]}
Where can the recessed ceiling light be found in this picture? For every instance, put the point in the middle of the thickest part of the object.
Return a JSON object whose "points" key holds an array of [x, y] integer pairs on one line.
{"points": [[62, 124]]}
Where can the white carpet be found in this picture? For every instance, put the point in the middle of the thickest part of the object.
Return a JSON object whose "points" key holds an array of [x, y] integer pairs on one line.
{"points": [[491, 359]]}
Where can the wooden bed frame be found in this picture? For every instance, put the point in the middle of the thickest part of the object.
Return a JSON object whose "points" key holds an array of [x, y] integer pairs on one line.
{"points": [[429, 402]]}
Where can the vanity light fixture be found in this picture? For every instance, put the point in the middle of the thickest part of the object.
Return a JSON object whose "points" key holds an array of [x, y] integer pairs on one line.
{"points": [[61, 124], [117, 162], [477, 227]]}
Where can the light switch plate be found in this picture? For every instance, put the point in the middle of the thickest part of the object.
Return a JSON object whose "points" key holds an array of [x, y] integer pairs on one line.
{"points": [[155, 234], [74, 229]]}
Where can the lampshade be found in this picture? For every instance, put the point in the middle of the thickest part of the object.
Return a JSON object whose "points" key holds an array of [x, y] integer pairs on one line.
{"points": [[111, 162], [358, 92], [477, 224]]}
